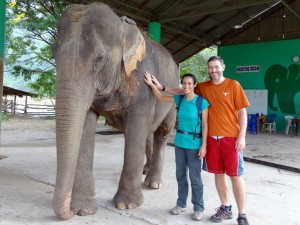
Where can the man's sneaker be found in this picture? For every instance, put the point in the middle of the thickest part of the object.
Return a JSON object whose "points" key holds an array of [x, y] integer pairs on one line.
{"points": [[197, 216], [222, 214], [242, 220], [177, 210]]}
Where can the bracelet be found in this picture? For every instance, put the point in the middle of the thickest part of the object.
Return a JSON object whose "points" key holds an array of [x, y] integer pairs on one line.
{"points": [[164, 88]]}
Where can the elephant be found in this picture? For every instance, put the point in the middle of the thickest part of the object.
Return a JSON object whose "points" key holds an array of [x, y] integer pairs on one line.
{"points": [[100, 62], [285, 83]]}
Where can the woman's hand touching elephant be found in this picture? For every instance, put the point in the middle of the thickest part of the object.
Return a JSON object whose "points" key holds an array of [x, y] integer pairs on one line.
{"points": [[148, 79], [156, 83]]}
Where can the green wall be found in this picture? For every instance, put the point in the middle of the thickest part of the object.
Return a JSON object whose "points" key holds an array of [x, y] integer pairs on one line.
{"points": [[277, 73]]}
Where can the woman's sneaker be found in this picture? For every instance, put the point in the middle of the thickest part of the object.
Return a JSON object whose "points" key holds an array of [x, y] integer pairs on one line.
{"points": [[177, 210], [197, 216], [222, 214]]}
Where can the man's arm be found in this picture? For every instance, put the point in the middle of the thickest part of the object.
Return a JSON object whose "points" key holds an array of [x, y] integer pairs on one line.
{"points": [[242, 117], [169, 90]]}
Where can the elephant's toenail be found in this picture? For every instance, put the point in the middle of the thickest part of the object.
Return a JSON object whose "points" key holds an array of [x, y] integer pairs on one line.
{"points": [[120, 205], [132, 206]]}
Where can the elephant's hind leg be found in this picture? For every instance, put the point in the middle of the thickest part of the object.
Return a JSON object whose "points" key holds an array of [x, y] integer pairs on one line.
{"points": [[161, 135], [149, 150], [83, 194]]}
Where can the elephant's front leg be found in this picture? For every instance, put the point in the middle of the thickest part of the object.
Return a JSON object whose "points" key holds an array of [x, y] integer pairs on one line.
{"points": [[83, 194], [129, 194]]}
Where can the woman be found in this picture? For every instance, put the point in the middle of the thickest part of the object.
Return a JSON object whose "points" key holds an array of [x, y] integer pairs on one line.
{"points": [[190, 148]]}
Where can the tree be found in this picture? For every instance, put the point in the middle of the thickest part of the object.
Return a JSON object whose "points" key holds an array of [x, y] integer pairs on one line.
{"points": [[197, 64], [31, 29]]}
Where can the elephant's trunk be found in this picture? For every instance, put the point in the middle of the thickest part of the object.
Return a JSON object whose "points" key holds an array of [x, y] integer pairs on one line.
{"points": [[70, 113]]}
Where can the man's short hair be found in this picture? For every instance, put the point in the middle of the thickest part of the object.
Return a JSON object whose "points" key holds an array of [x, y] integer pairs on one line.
{"points": [[216, 57]]}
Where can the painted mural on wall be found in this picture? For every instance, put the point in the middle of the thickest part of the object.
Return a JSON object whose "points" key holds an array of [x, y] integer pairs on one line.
{"points": [[285, 84]]}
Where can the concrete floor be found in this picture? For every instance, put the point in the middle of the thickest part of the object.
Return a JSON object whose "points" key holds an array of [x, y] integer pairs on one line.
{"points": [[27, 177]]}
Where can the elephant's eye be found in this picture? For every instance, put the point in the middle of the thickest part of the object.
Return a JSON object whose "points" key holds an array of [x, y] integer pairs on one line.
{"points": [[99, 62], [100, 57]]}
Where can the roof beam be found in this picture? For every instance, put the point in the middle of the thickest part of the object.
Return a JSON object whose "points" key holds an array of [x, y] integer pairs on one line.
{"points": [[126, 5], [192, 27], [286, 5], [132, 15], [184, 33], [254, 20], [212, 9]]}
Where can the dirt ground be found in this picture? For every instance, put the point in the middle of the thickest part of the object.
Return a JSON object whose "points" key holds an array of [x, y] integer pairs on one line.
{"points": [[28, 168], [20, 129], [26, 200]]}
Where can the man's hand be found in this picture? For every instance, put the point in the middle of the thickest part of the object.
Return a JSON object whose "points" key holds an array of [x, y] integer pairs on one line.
{"points": [[240, 144]]}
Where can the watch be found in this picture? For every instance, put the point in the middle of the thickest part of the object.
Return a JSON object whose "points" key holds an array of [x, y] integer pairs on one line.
{"points": [[296, 58]]}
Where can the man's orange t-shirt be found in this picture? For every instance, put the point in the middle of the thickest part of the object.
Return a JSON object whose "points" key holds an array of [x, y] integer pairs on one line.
{"points": [[225, 100]]}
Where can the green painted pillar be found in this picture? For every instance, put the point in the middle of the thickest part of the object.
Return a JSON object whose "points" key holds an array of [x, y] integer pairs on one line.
{"points": [[2, 44], [154, 31]]}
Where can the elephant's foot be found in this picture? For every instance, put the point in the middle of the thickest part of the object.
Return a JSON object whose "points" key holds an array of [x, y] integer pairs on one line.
{"points": [[153, 179], [83, 205], [128, 199]]}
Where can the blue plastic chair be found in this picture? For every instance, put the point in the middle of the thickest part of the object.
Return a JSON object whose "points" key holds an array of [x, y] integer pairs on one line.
{"points": [[252, 123], [271, 118], [271, 123]]}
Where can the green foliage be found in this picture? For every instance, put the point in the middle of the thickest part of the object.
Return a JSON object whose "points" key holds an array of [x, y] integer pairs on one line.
{"points": [[102, 118], [4, 117], [197, 64], [30, 31], [49, 118], [44, 85]]}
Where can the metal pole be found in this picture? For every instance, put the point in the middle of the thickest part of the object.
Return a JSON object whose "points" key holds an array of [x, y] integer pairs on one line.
{"points": [[2, 45]]}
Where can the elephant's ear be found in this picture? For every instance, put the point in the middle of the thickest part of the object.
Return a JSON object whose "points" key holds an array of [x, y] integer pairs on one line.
{"points": [[134, 47]]}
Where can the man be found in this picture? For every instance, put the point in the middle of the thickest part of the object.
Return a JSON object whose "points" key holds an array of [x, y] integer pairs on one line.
{"points": [[227, 125]]}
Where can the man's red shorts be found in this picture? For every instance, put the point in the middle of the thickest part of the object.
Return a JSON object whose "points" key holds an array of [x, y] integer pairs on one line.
{"points": [[222, 157]]}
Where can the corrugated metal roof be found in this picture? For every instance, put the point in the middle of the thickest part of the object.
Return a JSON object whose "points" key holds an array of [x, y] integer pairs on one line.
{"points": [[189, 26]]}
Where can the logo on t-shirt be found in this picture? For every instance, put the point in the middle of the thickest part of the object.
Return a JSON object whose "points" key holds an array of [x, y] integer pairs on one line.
{"points": [[225, 93]]}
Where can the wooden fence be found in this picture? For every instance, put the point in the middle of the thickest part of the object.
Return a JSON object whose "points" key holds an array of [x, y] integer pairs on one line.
{"points": [[30, 109]]}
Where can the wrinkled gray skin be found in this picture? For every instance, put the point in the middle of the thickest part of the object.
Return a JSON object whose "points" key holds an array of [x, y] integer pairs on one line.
{"points": [[100, 62]]}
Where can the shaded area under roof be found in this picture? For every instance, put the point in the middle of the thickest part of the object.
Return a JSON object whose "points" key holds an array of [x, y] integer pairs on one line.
{"points": [[189, 26]]}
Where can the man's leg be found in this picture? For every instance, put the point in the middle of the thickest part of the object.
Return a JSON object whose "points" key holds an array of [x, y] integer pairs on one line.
{"points": [[239, 191], [224, 211], [222, 188]]}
